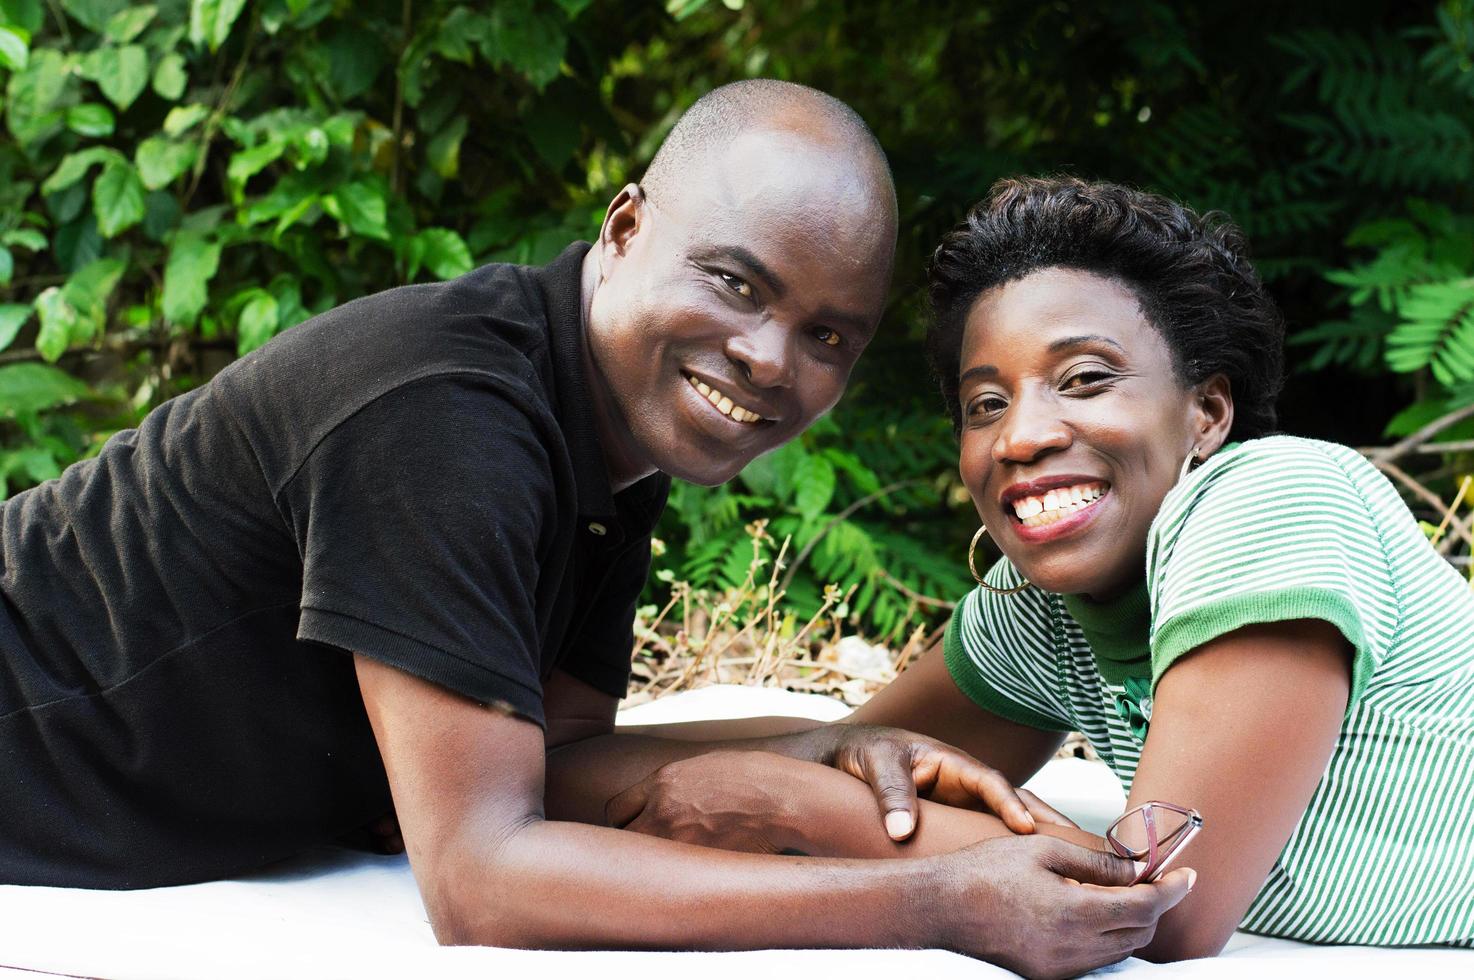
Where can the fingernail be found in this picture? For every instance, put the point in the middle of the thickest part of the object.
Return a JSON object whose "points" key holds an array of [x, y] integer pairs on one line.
{"points": [[898, 824], [1139, 866], [1192, 878]]}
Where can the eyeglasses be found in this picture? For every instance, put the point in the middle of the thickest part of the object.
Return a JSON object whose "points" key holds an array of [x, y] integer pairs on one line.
{"points": [[1153, 833]]}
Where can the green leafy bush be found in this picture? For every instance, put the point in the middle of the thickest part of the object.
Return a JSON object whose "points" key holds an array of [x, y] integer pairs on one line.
{"points": [[182, 180]]}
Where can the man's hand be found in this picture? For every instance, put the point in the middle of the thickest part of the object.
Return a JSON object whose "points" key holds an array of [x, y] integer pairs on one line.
{"points": [[1040, 910], [898, 765]]}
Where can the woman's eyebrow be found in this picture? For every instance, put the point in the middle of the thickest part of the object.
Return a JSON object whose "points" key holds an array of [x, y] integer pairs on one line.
{"points": [[1083, 340], [980, 371]]}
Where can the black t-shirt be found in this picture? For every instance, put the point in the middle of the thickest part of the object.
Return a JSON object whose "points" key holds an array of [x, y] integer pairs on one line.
{"points": [[413, 476]]}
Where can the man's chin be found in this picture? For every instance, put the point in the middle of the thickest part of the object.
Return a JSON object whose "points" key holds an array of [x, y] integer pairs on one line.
{"points": [[708, 475]]}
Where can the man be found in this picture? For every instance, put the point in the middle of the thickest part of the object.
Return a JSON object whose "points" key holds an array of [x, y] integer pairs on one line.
{"points": [[404, 540]]}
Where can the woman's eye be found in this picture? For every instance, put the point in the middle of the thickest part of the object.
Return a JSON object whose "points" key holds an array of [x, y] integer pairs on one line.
{"points": [[987, 405], [739, 286], [1085, 379], [827, 336]]}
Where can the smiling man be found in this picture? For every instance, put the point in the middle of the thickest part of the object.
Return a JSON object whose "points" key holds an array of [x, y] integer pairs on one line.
{"points": [[397, 551]]}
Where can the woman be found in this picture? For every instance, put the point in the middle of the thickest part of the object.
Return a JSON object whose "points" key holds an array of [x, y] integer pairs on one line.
{"points": [[1248, 624]]}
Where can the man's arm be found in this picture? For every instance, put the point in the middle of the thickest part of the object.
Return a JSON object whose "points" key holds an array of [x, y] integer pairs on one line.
{"points": [[589, 762], [467, 783]]}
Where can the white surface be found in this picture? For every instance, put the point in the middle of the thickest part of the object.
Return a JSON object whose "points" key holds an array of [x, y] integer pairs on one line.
{"points": [[336, 913]]}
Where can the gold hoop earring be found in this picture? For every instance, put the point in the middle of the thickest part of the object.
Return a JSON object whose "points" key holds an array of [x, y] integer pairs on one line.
{"points": [[972, 566], [1187, 464]]}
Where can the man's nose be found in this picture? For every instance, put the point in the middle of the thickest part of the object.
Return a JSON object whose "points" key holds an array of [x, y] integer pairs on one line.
{"points": [[765, 354], [1031, 427]]}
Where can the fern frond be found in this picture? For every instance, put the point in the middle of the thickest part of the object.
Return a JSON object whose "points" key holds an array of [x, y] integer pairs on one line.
{"points": [[1437, 332]]}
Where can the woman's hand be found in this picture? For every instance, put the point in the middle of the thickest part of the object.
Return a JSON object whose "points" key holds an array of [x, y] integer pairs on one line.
{"points": [[899, 766]]}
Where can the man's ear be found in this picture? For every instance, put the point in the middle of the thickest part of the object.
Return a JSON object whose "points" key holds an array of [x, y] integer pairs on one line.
{"points": [[622, 222], [1213, 402]]}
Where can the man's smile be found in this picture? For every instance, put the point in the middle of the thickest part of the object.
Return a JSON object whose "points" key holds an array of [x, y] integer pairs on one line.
{"points": [[725, 404]]}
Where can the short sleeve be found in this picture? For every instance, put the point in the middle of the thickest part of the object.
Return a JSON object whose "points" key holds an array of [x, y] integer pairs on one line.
{"points": [[420, 520], [1000, 652], [1274, 530]]}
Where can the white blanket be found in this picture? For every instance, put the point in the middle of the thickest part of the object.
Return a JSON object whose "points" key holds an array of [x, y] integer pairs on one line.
{"points": [[336, 913]]}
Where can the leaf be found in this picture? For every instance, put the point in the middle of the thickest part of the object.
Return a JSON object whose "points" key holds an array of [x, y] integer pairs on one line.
{"points": [[29, 388], [117, 198], [247, 163], [31, 95], [93, 14], [210, 21], [257, 323], [182, 118], [355, 59], [90, 119], [813, 485], [444, 252], [87, 292], [361, 206], [15, 50], [27, 238], [161, 161], [125, 25], [13, 316], [192, 263], [58, 319], [573, 7], [121, 73], [171, 77], [523, 36], [36, 462], [444, 149], [28, 15], [7, 266], [74, 167]]}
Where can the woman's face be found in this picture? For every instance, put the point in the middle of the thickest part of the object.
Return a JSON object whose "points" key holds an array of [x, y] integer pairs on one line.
{"points": [[1075, 426]]}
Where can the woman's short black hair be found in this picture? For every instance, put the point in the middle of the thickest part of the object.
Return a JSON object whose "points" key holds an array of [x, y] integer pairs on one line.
{"points": [[1190, 273]]}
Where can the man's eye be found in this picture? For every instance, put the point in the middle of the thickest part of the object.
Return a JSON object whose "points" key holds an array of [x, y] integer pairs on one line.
{"points": [[739, 286], [827, 336]]}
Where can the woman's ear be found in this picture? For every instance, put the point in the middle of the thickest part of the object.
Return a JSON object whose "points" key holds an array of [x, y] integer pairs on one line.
{"points": [[1213, 404]]}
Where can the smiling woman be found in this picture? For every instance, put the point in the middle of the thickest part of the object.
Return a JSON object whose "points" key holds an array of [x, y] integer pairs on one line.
{"points": [[1244, 623]]}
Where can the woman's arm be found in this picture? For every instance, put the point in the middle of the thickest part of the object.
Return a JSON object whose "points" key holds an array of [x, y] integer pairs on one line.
{"points": [[1242, 730], [925, 699]]}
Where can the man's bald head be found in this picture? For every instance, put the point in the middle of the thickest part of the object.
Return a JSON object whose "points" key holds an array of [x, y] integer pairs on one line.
{"points": [[765, 105]]}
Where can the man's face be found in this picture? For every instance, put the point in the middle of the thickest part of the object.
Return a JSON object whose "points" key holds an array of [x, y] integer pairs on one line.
{"points": [[727, 317]]}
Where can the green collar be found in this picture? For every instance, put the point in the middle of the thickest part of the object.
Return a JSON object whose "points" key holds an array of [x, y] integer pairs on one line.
{"points": [[1117, 631]]}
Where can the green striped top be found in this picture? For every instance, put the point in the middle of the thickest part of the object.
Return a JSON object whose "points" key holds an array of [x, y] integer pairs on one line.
{"points": [[1268, 530]]}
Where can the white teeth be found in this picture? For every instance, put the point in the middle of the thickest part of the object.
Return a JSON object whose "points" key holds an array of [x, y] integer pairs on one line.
{"points": [[724, 404], [1056, 504]]}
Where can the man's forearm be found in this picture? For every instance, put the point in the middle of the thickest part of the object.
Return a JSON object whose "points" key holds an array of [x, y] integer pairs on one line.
{"points": [[583, 776], [557, 885]]}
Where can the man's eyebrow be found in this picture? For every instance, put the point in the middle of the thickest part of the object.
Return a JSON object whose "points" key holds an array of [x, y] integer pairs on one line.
{"points": [[1082, 340], [756, 266]]}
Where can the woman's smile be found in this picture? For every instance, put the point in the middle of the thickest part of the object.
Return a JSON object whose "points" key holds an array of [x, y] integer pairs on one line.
{"points": [[1054, 507]]}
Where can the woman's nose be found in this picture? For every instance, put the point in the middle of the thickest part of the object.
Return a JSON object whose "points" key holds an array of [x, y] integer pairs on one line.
{"points": [[764, 354], [1031, 427]]}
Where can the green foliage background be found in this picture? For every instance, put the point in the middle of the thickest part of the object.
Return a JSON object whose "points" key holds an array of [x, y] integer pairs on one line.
{"points": [[182, 180]]}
